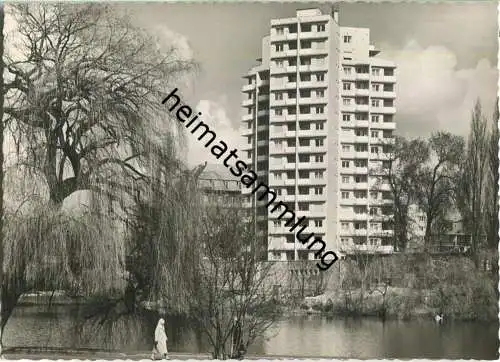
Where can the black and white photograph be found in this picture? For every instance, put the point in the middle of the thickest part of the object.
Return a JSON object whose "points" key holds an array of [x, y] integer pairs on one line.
{"points": [[249, 180]]}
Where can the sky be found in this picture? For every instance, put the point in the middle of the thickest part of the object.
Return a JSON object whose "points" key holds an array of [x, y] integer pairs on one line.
{"points": [[446, 54]]}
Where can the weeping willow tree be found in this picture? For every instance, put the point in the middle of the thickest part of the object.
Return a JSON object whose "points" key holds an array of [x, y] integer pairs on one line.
{"points": [[52, 249], [82, 104], [163, 232]]}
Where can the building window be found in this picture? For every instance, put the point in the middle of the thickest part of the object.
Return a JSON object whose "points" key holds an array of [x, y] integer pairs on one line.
{"points": [[318, 223], [361, 132], [318, 158], [361, 163], [320, 77], [345, 226], [278, 111], [347, 70], [345, 194], [280, 30], [290, 239], [279, 47], [345, 164], [347, 38], [346, 117], [321, 27], [277, 176], [360, 194], [279, 63], [305, 28], [318, 174], [375, 134], [346, 101], [305, 77], [375, 103], [320, 109], [374, 195], [345, 179], [319, 125], [319, 142], [373, 211], [375, 119], [320, 93], [374, 149], [277, 223], [278, 96], [346, 148], [376, 71], [305, 109], [306, 93], [303, 206], [347, 86], [375, 87], [305, 61]]}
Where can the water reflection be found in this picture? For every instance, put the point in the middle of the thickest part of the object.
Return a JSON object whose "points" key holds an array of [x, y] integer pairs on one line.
{"points": [[60, 326]]}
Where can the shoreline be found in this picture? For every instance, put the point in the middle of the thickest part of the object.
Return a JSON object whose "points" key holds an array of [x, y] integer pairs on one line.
{"points": [[53, 353]]}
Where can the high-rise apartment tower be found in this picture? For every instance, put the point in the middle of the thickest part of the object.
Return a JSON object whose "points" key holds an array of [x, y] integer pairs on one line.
{"points": [[318, 119]]}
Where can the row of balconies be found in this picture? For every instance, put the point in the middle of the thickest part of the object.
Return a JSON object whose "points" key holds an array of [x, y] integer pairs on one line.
{"points": [[364, 202], [293, 53], [286, 36], [302, 101], [302, 198], [367, 124], [373, 184], [312, 214], [300, 181], [273, 118], [350, 155], [274, 69], [301, 84], [285, 230], [360, 139], [361, 217], [365, 232], [352, 108], [353, 76], [368, 93]]}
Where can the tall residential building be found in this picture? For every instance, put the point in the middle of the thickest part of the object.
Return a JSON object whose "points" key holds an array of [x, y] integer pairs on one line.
{"points": [[318, 117]]}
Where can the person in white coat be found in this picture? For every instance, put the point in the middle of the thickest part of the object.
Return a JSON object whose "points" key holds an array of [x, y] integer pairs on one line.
{"points": [[160, 347]]}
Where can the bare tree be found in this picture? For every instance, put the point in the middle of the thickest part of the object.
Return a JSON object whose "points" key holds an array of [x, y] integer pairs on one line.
{"points": [[231, 295], [471, 186], [492, 182], [82, 102], [83, 99], [404, 161], [436, 179]]}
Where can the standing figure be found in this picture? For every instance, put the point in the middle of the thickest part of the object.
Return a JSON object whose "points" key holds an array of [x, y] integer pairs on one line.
{"points": [[160, 342], [237, 347]]}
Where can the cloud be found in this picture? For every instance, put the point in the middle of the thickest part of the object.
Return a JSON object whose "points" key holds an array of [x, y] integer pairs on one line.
{"points": [[214, 114], [432, 94], [167, 38]]}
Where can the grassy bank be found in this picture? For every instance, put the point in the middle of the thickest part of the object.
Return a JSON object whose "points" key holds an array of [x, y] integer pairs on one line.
{"points": [[410, 288]]}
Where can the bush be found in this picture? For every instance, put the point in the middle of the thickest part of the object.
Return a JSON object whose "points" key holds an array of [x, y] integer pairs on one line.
{"points": [[328, 307]]}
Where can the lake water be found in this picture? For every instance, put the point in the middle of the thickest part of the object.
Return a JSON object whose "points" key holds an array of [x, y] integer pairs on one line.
{"points": [[306, 336]]}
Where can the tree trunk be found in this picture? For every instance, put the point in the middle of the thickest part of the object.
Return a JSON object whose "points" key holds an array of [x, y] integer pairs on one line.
{"points": [[2, 322]]}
